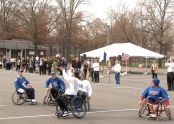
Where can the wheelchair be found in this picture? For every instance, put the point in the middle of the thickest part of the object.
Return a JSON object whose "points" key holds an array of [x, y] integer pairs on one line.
{"points": [[84, 96], [21, 98], [75, 105], [161, 107], [49, 99]]}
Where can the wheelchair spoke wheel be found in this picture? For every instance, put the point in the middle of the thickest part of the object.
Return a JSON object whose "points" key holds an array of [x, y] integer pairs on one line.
{"points": [[78, 107], [47, 100], [18, 98], [142, 109], [58, 113], [168, 112], [87, 105]]}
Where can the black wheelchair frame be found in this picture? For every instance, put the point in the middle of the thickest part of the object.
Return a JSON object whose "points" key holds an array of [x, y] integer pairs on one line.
{"points": [[161, 107], [48, 99], [20, 98], [75, 105]]}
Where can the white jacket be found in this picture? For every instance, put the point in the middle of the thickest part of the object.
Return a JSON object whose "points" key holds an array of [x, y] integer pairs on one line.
{"points": [[85, 86], [72, 86]]}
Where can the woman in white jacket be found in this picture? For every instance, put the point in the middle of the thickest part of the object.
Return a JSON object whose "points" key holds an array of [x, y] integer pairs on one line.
{"points": [[117, 70]]}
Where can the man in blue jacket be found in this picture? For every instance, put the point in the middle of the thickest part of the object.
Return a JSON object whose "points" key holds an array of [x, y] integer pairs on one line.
{"points": [[153, 93], [22, 85], [56, 84]]}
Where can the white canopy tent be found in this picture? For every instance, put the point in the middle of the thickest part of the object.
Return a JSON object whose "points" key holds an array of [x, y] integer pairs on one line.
{"points": [[120, 48]]}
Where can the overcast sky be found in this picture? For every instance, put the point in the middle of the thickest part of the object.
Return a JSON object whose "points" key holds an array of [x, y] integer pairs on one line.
{"points": [[99, 8]]}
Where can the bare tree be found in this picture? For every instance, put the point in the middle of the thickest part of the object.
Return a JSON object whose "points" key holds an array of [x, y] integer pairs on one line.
{"points": [[158, 15], [68, 9], [35, 16], [8, 22], [126, 23]]}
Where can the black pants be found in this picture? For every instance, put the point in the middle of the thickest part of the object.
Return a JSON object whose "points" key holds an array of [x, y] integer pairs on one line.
{"points": [[92, 74], [41, 70], [30, 92], [154, 75], [170, 78], [44, 70], [49, 70], [85, 72], [54, 92], [82, 94], [63, 102], [96, 76]]}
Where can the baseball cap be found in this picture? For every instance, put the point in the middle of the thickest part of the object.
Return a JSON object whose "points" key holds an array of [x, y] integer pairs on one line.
{"points": [[52, 73], [156, 82]]}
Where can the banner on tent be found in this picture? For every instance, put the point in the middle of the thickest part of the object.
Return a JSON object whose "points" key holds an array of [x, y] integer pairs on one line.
{"points": [[104, 57]]}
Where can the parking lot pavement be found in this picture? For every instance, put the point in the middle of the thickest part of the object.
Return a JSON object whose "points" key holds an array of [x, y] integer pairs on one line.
{"points": [[109, 104]]}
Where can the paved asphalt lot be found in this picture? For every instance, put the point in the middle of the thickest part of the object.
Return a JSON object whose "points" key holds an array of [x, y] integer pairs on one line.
{"points": [[109, 104]]}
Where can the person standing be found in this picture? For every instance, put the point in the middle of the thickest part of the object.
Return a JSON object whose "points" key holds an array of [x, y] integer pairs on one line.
{"points": [[77, 64], [41, 66], [154, 69], [50, 62], [170, 73], [117, 70], [92, 70], [85, 67], [109, 66], [96, 68]]}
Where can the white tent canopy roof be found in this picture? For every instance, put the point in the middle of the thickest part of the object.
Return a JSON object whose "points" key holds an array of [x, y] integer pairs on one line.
{"points": [[120, 48]]}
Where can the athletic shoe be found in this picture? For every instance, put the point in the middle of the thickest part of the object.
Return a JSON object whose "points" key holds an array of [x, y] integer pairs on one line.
{"points": [[33, 100], [65, 114]]}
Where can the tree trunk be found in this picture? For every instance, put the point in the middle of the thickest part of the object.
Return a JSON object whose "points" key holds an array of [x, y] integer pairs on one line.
{"points": [[160, 51], [35, 49], [51, 51]]}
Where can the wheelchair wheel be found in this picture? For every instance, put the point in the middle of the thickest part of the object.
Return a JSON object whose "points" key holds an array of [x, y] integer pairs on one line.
{"points": [[18, 98], [87, 104], [168, 112], [47, 100], [58, 114], [142, 109], [78, 107]]}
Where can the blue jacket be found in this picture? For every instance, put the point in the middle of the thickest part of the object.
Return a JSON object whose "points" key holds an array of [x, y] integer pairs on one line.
{"points": [[21, 82], [155, 93], [57, 82]]}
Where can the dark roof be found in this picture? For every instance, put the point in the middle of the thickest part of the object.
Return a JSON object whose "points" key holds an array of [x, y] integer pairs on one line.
{"points": [[19, 44]]}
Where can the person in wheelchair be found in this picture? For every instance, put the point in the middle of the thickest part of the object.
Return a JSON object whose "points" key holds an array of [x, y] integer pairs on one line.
{"points": [[22, 85], [70, 92], [85, 89], [153, 94], [56, 83]]}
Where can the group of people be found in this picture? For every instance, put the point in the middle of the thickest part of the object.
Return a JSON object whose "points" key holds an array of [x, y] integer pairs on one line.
{"points": [[75, 84], [76, 75], [170, 72]]}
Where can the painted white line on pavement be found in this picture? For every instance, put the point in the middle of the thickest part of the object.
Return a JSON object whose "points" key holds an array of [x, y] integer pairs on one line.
{"points": [[107, 111], [20, 117], [92, 112], [35, 116], [121, 87]]}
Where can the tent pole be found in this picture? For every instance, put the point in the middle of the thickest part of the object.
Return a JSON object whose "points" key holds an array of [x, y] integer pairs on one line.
{"points": [[126, 66], [109, 77]]}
